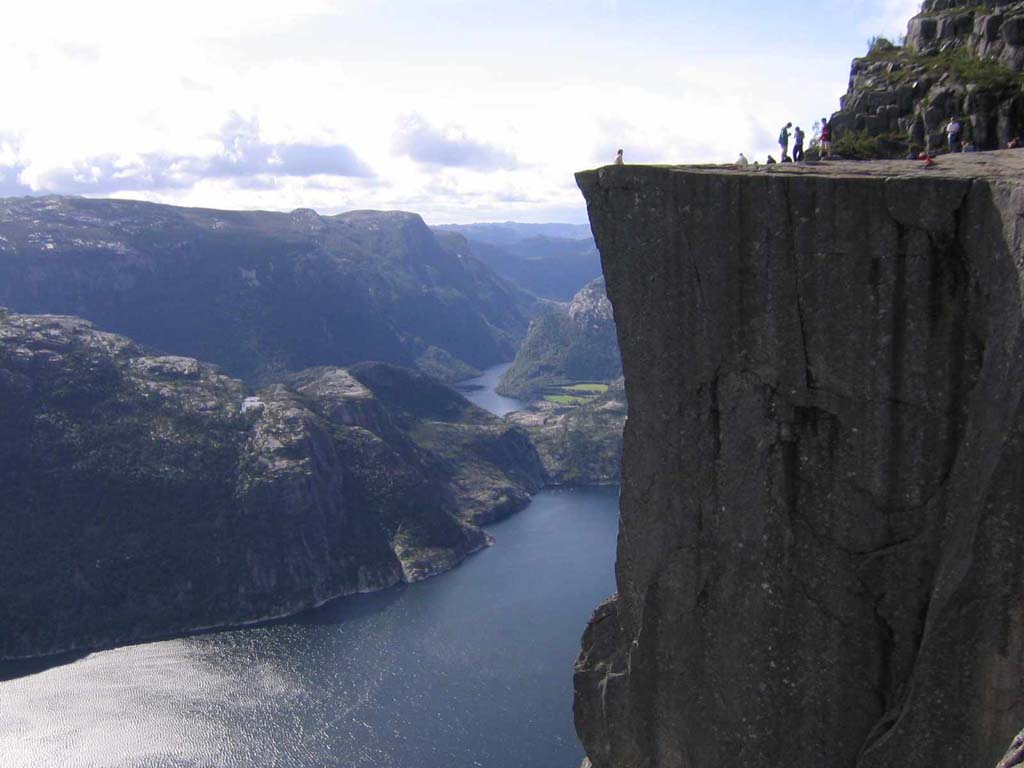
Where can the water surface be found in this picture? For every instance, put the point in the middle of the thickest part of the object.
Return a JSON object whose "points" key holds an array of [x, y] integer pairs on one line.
{"points": [[480, 391], [472, 668]]}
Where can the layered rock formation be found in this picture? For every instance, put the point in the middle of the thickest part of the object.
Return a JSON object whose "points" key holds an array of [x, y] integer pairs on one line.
{"points": [[576, 345], [143, 495], [961, 58], [820, 557], [261, 293]]}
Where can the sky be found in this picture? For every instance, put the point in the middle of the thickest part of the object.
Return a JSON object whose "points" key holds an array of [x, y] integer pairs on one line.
{"points": [[460, 110]]}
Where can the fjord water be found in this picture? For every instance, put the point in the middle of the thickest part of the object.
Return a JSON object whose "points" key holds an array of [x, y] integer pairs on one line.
{"points": [[480, 391], [472, 668]]}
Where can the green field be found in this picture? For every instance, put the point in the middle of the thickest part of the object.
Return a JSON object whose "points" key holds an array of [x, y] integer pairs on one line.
{"points": [[576, 394], [594, 389]]}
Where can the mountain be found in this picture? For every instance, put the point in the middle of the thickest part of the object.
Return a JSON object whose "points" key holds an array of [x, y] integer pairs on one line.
{"points": [[259, 293], [564, 348], [509, 232], [961, 58], [550, 260], [145, 495]]}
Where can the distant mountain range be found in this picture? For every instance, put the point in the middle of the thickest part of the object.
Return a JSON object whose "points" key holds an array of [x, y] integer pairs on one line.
{"points": [[550, 260], [263, 293], [504, 233]]}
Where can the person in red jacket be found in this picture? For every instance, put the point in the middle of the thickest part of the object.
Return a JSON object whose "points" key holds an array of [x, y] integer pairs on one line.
{"points": [[826, 138]]}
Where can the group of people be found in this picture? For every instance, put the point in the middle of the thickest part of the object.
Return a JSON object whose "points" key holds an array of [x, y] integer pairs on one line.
{"points": [[798, 136], [824, 142]]}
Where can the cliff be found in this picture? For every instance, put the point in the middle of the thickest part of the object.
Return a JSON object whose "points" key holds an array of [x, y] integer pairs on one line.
{"points": [[820, 554], [961, 58], [144, 495], [568, 347], [260, 293]]}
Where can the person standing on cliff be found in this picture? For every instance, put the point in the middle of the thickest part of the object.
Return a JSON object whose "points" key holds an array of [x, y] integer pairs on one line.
{"points": [[826, 139], [618, 158], [798, 145], [784, 139], [953, 134]]}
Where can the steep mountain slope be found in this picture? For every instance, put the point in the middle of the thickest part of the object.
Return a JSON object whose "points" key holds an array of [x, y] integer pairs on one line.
{"points": [[578, 345], [260, 293], [144, 495]]}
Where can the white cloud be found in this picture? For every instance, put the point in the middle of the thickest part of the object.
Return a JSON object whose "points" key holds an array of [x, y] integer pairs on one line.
{"points": [[489, 121]]}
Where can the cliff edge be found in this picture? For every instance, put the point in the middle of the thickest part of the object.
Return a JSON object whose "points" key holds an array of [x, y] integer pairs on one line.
{"points": [[819, 559]]}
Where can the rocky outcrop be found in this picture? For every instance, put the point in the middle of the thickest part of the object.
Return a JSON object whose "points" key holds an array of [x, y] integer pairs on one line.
{"points": [[569, 347], [259, 293], [961, 58], [820, 554], [581, 444], [144, 495]]}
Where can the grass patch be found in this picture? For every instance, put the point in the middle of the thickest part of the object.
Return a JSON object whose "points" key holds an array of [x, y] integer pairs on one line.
{"points": [[597, 389], [985, 73], [859, 145]]}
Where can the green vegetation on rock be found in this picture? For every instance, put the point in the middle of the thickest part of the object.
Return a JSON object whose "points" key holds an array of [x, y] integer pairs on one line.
{"points": [[580, 444]]}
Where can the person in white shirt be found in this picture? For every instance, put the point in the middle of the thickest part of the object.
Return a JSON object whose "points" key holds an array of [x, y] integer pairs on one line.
{"points": [[953, 134], [618, 158], [742, 162]]}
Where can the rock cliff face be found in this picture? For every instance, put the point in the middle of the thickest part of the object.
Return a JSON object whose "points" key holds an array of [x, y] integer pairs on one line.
{"points": [[820, 555], [146, 495], [961, 58], [577, 345]]}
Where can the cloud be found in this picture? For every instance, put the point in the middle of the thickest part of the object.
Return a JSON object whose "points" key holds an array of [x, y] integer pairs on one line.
{"points": [[243, 153], [239, 154], [890, 17], [450, 147], [11, 167]]}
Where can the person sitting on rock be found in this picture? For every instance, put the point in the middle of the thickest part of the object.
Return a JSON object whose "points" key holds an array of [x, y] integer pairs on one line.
{"points": [[784, 138], [785, 158], [742, 162], [953, 134], [771, 160], [915, 153], [1014, 143], [618, 158], [798, 145], [968, 146]]}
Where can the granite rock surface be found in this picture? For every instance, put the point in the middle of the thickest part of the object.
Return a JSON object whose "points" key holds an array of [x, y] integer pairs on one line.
{"points": [[820, 554]]}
